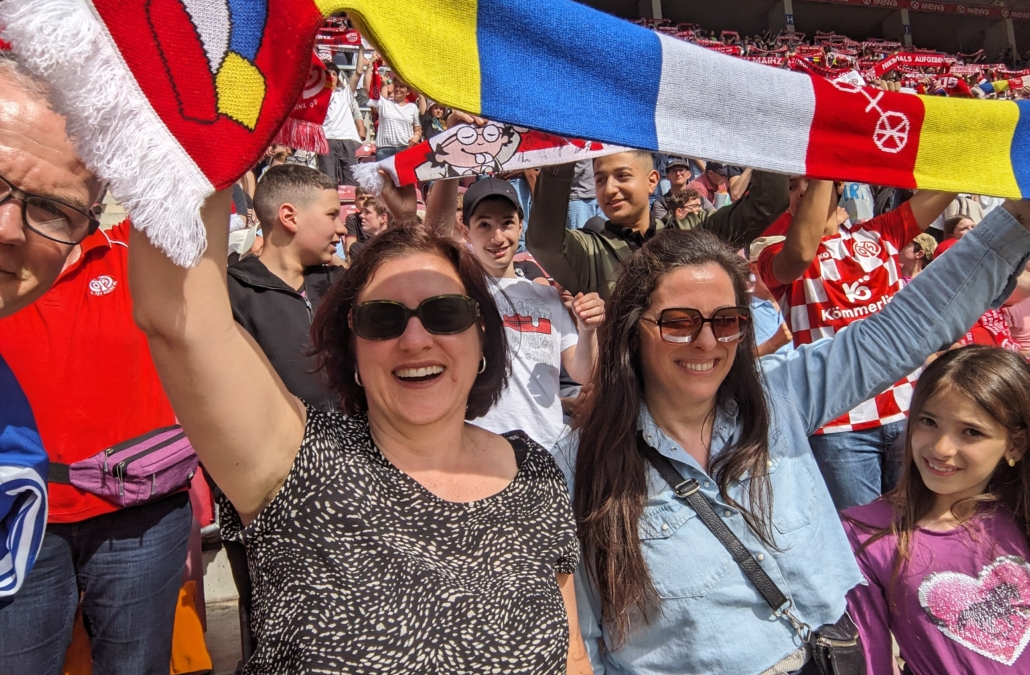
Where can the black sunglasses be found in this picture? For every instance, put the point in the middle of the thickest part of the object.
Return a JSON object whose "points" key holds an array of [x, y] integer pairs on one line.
{"points": [[683, 324], [50, 218], [440, 315]]}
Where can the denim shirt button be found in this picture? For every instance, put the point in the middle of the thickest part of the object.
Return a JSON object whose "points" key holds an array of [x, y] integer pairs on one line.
{"points": [[769, 463], [707, 484], [760, 557], [665, 527], [727, 513]]}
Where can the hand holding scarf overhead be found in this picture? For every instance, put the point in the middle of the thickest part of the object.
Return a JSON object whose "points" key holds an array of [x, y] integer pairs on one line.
{"points": [[169, 100]]}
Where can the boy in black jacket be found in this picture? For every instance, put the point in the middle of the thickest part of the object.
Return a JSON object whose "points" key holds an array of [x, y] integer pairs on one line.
{"points": [[274, 296]]}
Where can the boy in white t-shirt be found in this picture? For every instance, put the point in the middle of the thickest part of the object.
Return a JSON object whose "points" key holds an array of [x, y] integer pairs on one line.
{"points": [[542, 336]]}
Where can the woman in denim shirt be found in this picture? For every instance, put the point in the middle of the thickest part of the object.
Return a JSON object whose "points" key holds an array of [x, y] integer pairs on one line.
{"points": [[658, 592]]}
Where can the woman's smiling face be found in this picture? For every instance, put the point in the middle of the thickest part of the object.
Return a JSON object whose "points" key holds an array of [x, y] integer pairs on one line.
{"points": [[417, 378], [689, 372]]}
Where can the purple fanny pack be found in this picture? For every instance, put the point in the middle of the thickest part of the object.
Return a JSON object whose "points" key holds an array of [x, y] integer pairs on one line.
{"points": [[136, 471]]}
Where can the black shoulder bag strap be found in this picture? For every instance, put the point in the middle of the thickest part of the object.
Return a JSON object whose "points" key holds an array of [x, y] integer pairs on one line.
{"points": [[688, 490], [835, 647]]}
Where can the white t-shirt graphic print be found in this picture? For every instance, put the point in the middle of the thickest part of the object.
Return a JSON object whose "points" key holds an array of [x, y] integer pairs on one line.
{"points": [[539, 329]]}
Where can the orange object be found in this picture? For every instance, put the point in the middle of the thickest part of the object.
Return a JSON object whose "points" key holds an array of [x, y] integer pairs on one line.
{"points": [[78, 660], [189, 651]]}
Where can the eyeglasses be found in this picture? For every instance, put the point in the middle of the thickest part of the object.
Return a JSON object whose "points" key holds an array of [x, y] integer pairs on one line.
{"points": [[50, 218], [467, 135], [684, 324], [440, 315]]}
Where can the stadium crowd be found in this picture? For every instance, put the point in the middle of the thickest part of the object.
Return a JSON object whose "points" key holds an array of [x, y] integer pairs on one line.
{"points": [[634, 414]]}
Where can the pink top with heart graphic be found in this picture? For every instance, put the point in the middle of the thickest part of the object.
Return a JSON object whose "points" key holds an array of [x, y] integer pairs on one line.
{"points": [[962, 605]]}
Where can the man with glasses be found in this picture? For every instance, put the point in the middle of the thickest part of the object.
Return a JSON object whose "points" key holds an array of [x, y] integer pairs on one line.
{"points": [[682, 205], [79, 360], [677, 172], [45, 193]]}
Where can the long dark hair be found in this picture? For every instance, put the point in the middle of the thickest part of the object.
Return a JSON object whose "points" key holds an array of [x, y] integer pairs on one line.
{"points": [[611, 472], [333, 340], [996, 380]]}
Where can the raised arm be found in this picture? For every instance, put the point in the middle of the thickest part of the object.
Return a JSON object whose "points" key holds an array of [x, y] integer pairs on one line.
{"points": [[738, 185], [830, 376], [359, 70], [546, 236], [742, 221], [244, 425], [928, 205], [442, 207], [359, 121], [805, 232]]}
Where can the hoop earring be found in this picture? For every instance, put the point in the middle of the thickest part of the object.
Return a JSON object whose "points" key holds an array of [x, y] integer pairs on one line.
{"points": [[1012, 462], [482, 365], [357, 378]]}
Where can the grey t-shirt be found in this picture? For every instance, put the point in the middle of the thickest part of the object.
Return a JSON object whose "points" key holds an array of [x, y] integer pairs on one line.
{"points": [[583, 180]]}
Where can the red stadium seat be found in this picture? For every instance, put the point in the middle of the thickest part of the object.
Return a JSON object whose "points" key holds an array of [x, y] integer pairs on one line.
{"points": [[346, 193]]}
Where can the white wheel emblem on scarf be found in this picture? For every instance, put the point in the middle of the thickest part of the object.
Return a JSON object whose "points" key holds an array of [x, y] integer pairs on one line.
{"points": [[891, 133]]}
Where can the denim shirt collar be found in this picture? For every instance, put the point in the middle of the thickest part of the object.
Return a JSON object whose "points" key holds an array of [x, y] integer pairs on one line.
{"points": [[724, 433]]}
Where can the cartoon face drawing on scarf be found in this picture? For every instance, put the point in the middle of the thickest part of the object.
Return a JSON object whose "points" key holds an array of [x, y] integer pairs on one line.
{"points": [[209, 49], [475, 150]]}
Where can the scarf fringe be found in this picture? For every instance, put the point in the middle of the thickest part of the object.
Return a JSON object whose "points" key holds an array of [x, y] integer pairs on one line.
{"points": [[366, 174], [302, 135], [118, 135]]}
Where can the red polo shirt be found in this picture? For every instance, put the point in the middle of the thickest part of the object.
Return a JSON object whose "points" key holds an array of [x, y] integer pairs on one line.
{"points": [[85, 367]]}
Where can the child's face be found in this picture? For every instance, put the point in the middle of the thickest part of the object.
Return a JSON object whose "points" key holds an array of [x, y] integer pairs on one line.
{"points": [[957, 446], [319, 229], [493, 230]]}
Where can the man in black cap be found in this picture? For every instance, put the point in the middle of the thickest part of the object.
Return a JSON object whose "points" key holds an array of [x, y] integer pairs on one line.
{"points": [[713, 180], [542, 336]]}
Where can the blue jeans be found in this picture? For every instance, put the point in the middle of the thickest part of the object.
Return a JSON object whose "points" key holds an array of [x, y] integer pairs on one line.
{"points": [[859, 466], [127, 566], [384, 151], [521, 186], [580, 211]]}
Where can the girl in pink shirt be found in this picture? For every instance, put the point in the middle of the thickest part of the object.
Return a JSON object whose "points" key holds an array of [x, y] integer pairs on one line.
{"points": [[945, 553]]}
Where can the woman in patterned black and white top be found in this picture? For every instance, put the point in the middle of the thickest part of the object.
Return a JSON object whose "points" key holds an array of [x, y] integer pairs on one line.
{"points": [[400, 539]]}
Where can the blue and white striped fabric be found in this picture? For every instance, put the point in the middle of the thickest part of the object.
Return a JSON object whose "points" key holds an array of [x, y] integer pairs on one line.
{"points": [[23, 488]]}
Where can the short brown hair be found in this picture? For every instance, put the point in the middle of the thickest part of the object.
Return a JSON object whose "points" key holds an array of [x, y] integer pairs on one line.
{"points": [[287, 184], [677, 200], [375, 205], [333, 340]]}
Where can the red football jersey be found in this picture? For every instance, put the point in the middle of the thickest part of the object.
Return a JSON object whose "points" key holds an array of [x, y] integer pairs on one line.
{"points": [[855, 273]]}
